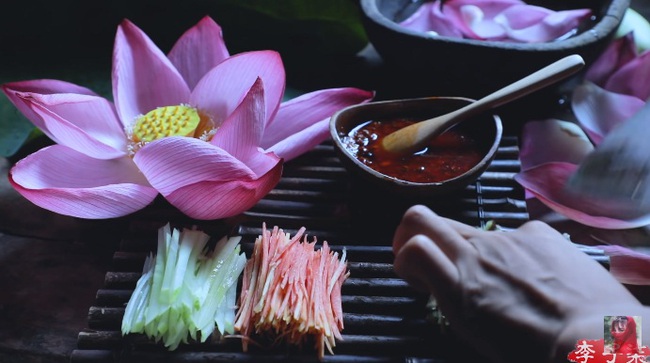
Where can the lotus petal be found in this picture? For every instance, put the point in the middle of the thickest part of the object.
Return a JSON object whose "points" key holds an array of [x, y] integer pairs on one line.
{"points": [[552, 140], [199, 50], [143, 77], [302, 113], [625, 79], [475, 18], [619, 52], [301, 142], [608, 96], [430, 18], [202, 180], [17, 91], [598, 111], [522, 16], [221, 90], [628, 266], [547, 181], [174, 162], [67, 182], [478, 27], [84, 123], [534, 24], [48, 87], [497, 20], [226, 198], [241, 133]]}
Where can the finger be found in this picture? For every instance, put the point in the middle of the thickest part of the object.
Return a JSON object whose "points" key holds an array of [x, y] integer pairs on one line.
{"points": [[427, 268], [422, 220]]}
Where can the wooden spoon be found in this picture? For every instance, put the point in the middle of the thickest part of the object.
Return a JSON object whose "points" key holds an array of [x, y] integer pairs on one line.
{"points": [[414, 137]]}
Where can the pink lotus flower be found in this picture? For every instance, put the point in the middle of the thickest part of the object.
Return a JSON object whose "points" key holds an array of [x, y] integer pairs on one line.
{"points": [[552, 149], [499, 20], [204, 129]]}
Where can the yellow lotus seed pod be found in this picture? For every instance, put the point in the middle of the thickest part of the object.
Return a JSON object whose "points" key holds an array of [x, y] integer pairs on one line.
{"points": [[166, 121]]}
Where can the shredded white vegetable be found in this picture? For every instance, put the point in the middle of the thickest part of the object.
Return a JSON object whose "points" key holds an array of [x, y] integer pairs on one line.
{"points": [[185, 291]]}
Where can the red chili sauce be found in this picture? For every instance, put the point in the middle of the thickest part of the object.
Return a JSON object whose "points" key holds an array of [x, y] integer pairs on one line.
{"points": [[447, 156]]}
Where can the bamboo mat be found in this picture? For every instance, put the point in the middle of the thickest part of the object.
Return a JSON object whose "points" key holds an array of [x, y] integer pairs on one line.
{"points": [[385, 319]]}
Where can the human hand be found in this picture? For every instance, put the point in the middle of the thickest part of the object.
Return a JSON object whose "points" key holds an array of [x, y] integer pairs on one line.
{"points": [[531, 285]]}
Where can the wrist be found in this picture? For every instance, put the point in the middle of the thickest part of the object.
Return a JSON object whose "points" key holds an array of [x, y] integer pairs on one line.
{"points": [[587, 328]]}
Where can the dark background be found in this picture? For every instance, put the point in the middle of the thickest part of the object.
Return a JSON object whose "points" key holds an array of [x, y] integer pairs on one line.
{"points": [[51, 266]]}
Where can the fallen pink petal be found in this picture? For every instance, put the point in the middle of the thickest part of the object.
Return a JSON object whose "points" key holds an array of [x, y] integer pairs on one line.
{"points": [[599, 111], [619, 68], [570, 143], [547, 183], [606, 98], [620, 51], [627, 265]]}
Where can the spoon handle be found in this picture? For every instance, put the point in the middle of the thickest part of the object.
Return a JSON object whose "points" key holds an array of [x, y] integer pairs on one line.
{"points": [[414, 137], [535, 81]]}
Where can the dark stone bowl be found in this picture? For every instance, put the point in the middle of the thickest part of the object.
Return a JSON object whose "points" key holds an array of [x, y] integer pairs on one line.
{"points": [[486, 129], [433, 66]]}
